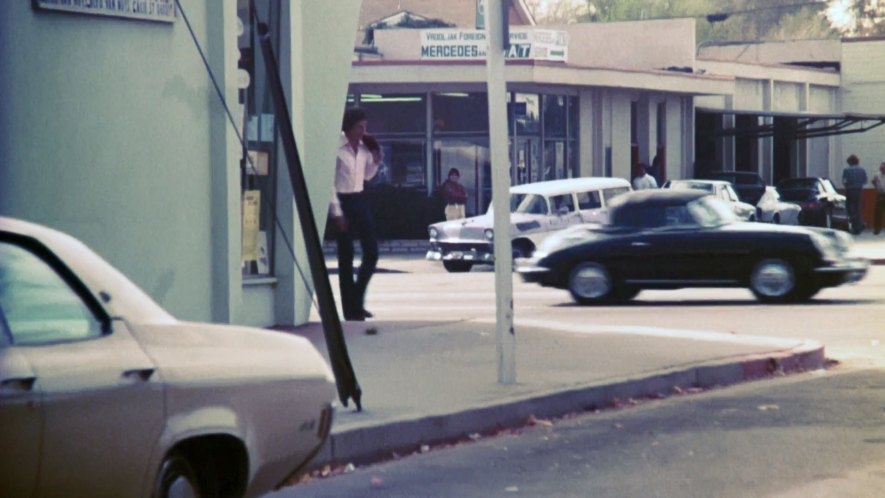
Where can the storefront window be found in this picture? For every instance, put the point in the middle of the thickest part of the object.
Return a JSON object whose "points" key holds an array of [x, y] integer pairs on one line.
{"points": [[460, 113], [554, 108], [527, 110], [403, 164], [258, 161], [394, 113], [554, 160]]}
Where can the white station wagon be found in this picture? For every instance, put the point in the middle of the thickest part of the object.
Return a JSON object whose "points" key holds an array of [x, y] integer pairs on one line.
{"points": [[536, 210]]}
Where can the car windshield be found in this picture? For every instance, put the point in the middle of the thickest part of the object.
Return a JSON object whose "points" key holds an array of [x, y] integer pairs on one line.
{"points": [[528, 203], [710, 211], [798, 183]]}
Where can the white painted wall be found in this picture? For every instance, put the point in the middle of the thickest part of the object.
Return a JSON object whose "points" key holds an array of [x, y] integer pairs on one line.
{"points": [[107, 128], [119, 139], [863, 91]]}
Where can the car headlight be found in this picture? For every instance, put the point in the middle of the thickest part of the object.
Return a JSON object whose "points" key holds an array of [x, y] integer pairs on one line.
{"points": [[433, 232], [828, 247], [489, 233]]}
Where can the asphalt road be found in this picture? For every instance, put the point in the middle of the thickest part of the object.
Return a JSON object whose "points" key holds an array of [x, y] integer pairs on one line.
{"points": [[810, 435], [816, 434], [849, 320]]}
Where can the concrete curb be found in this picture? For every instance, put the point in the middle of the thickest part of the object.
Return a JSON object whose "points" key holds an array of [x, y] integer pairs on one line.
{"points": [[363, 445]]}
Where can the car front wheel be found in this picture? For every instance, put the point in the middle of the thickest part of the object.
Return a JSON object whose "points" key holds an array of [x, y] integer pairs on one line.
{"points": [[590, 283], [773, 280], [177, 478]]}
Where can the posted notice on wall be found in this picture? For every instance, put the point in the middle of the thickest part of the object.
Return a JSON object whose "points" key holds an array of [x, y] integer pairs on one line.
{"points": [[148, 10], [251, 213], [470, 44]]}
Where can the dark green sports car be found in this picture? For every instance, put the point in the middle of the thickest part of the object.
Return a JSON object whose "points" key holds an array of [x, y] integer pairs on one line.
{"points": [[670, 239]]}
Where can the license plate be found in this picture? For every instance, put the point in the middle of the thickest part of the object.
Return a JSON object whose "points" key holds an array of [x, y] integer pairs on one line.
{"points": [[456, 255]]}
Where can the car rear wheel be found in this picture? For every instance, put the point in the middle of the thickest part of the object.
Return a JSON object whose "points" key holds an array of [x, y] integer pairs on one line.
{"points": [[457, 266], [773, 280], [590, 283], [177, 479]]}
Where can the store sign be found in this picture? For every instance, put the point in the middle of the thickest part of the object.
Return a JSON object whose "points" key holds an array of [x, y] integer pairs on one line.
{"points": [[470, 44], [149, 10]]}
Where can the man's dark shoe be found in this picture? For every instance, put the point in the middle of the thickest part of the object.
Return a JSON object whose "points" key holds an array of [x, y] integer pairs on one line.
{"points": [[354, 317], [367, 314]]}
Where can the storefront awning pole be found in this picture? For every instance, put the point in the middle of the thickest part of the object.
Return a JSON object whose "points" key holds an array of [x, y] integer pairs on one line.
{"points": [[495, 17]]}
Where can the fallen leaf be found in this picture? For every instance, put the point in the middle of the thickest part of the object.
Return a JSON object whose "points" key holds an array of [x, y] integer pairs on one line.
{"points": [[375, 481], [425, 448], [766, 408], [512, 489], [349, 468], [539, 421]]}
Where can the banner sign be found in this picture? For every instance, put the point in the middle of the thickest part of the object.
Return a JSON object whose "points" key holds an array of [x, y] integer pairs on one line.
{"points": [[470, 44], [148, 10]]}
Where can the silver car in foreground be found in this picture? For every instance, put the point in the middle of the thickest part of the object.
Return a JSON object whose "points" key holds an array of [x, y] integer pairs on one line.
{"points": [[104, 394], [536, 210]]}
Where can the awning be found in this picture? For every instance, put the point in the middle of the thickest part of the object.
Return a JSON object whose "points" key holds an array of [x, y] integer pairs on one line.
{"points": [[801, 125]]}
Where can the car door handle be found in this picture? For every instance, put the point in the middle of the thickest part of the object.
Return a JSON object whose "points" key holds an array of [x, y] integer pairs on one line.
{"points": [[640, 244], [18, 383], [142, 374]]}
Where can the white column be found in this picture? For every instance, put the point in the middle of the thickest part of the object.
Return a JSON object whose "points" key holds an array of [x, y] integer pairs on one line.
{"points": [[497, 95]]}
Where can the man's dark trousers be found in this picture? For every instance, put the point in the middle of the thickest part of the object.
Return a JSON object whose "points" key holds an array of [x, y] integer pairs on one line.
{"points": [[852, 202], [361, 226]]}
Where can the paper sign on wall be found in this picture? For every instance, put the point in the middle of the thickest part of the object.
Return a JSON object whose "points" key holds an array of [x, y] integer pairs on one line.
{"points": [[251, 213]]}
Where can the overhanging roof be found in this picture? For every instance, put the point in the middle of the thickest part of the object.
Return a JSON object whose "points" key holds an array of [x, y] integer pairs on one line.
{"points": [[800, 126]]}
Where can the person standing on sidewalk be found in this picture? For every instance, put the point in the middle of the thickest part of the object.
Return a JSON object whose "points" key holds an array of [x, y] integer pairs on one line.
{"points": [[455, 196], [853, 179], [644, 180], [879, 183], [358, 159]]}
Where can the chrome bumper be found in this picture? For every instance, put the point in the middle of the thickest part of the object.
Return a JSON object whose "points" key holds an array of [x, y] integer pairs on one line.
{"points": [[854, 269], [471, 255]]}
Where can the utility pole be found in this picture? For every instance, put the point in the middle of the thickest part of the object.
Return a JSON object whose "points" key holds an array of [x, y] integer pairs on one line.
{"points": [[497, 36]]}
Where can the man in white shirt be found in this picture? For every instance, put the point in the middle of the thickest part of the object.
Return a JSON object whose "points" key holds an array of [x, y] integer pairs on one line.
{"points": [[357, 160], [644, 180]]}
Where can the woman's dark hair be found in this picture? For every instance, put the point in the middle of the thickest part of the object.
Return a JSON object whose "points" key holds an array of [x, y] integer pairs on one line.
{"points": [[352, 116], [853, 160], [455, 171]]}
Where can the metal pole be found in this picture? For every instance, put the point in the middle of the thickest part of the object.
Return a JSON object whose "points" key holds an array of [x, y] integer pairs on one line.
{"points": [[495, 17], [345, 378]]}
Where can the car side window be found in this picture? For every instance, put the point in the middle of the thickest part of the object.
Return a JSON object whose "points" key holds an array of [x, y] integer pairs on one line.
{"points": [[562, 201], [37, 303], [610, 193], [589, 200]]}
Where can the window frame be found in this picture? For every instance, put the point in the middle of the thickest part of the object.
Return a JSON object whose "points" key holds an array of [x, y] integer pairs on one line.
{"points": [[44, 254]]}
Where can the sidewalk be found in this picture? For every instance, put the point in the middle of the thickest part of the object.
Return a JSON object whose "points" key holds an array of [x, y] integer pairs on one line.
{"points": [[433, 382], [870, 246]]}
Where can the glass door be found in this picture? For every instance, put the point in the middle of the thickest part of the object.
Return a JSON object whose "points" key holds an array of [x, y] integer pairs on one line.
{"points": [[527, 166]]}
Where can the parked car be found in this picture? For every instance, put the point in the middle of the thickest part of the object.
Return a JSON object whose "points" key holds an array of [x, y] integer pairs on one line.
{"points": [[771, 209], [536, 210], [821, 204], [748, 185], [669, 239], [103, 393], [722, 190]]}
